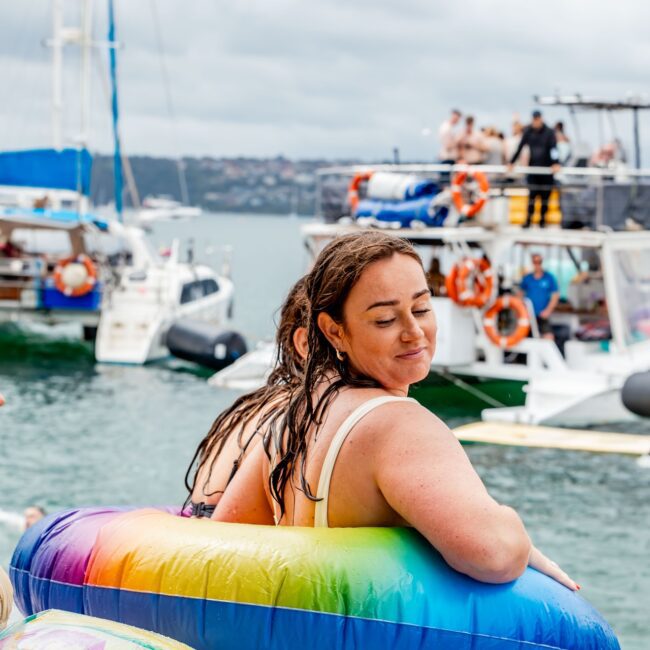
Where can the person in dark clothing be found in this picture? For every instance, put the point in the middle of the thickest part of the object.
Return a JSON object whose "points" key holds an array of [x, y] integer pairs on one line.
{"points": [[543, 153]]}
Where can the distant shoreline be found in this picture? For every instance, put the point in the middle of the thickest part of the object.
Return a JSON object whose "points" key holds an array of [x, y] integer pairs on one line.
{"points": [[276, 186]]}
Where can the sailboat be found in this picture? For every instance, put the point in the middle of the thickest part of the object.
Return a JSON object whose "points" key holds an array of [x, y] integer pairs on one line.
{"points": [[61, 263]]}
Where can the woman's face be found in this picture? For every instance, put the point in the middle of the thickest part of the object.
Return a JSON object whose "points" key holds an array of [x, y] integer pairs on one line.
{"points": [[389, 328]]}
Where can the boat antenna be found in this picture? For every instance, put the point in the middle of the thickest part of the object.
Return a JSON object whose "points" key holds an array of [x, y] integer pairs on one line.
{"points": [[117, 154]]}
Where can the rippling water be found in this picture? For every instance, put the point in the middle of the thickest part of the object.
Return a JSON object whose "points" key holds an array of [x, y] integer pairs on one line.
{"points": [[75, 433]]}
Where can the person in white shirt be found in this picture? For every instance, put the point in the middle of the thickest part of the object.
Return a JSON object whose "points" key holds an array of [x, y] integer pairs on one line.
{"points": [[512, 142], [449, 138], [471, 144]]}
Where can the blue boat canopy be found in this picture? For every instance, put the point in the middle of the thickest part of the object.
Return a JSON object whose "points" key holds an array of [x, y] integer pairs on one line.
{"points": [[65, 169], [46, 218]]}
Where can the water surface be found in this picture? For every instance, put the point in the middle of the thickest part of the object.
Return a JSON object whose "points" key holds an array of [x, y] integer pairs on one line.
{"points": [[75, 433]]}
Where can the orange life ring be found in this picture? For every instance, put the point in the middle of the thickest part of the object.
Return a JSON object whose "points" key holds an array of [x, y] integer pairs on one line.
{"points": [[469, 210], [491, 324], [353, 190], [470, 282], [86, 287]]}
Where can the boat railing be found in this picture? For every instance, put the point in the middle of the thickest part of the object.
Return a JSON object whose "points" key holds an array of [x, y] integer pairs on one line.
{"points": [[598, 197]]}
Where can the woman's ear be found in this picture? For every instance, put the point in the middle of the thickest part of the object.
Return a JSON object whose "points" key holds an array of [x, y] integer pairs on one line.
{"points": [[300, 342], [332, 331]]}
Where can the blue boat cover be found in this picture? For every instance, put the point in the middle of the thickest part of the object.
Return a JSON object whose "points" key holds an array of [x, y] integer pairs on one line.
{"points": [[403, 212], [67, 169]]}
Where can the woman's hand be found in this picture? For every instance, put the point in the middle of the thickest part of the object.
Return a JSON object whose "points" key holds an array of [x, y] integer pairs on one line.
{"points": [[537, 560]]}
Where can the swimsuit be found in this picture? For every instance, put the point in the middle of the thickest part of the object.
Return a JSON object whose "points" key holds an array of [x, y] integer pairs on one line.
{"points": [[320, 514], [203, 509]]}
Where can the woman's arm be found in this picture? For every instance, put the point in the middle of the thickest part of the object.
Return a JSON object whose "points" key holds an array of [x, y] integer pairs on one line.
{"points": [[244, 500], [426, 477]]}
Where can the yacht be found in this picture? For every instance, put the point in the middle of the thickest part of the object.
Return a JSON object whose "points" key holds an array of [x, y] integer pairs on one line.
{"points": [[487, 329], [61, 263]]}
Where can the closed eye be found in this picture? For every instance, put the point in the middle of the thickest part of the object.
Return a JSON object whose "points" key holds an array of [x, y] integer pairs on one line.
{"points": [[421, 312], [385, 323]]}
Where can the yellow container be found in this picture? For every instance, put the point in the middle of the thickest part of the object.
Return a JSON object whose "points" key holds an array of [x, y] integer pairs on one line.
{"points": [[519, 206]]}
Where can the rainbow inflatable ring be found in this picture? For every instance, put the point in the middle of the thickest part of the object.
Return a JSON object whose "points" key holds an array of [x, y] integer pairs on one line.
{"points": [[54, 629], [243, 587]]}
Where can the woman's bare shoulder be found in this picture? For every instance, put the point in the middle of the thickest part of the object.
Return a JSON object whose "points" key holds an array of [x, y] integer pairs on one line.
{"points": [[402, 422]]}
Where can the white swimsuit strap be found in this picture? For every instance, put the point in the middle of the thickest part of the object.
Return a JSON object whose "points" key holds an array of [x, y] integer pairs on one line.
{"points": [[320, 515]]}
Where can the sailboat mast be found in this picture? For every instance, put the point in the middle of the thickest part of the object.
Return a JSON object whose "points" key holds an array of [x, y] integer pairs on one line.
{"points": [[57, 65], [85, 43], [117, 154]]}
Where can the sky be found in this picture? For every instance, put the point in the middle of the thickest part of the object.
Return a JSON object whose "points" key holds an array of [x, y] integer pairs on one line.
{"points": [[322, 78]]}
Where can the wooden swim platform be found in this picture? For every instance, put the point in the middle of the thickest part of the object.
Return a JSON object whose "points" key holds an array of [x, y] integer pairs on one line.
{"points": [[527, 435]]}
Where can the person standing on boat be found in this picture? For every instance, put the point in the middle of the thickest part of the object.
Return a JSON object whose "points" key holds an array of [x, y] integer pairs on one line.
{"points": [[540, 287], [449, 138], [563, 144], [472, 147], [436, 278], [542, 145], [513, 140]]}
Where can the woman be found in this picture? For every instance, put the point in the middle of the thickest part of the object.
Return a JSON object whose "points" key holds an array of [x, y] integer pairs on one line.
{"points": [[377, 457], [563, 145], [235, 432]]}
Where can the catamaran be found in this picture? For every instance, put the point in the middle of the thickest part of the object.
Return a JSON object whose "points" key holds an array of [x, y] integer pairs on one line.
{"points": [[61, 263]]}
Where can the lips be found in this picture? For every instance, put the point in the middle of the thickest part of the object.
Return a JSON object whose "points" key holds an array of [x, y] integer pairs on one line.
{"points": [[415, 353]]}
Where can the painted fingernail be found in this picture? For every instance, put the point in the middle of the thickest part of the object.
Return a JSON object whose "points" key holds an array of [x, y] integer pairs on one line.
{"points": [[578, 587]]}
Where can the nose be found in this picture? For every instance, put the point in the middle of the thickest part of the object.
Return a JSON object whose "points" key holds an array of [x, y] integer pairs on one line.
{"points": [[411, 330]]}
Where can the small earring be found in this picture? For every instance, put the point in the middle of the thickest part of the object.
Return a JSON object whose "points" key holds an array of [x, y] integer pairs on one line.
{"points": [[340, 355]]}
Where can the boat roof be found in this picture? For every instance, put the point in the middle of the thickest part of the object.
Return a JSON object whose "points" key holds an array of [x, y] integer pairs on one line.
{"points": [[52, 219], [593, 103]]}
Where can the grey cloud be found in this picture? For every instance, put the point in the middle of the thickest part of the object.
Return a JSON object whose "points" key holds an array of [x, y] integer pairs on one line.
{"points": [[332, 78]]}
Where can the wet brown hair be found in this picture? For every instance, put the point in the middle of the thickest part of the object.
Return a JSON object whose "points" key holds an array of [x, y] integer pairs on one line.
{"points": [[336, 270], [285, 376]]}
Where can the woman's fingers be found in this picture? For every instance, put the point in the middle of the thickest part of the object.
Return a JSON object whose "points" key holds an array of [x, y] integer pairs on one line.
{"points": [[541, 563], [562, 577]]}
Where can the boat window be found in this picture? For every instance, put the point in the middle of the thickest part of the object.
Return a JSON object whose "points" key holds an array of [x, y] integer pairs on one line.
{"points": [[632, 276], [198, 289], [191, 291], [42, 241], [209, 286]]}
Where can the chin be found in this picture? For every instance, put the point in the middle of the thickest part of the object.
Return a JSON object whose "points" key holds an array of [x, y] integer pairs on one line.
{"points": [[407, 379]]}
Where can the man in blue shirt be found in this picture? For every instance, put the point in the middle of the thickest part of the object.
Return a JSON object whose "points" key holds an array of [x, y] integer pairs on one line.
{"points": [[540, 287]]}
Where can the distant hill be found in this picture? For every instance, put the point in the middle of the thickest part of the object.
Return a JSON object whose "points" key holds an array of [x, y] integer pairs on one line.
{"points": [[271, 185]]}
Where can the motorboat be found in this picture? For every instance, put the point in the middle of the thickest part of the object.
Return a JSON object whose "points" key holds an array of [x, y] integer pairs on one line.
{"points": [[159, 208], [601, 327]]}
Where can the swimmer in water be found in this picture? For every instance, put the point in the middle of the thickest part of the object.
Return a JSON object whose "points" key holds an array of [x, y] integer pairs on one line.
{"points": [[33, 514], [351, 449]]}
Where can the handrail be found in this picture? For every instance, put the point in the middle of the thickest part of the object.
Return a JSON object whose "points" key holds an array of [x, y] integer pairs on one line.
{"points": [[490, 169]]}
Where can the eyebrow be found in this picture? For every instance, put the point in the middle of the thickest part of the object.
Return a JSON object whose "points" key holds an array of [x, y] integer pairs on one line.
{"points": [[392, 303]]}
